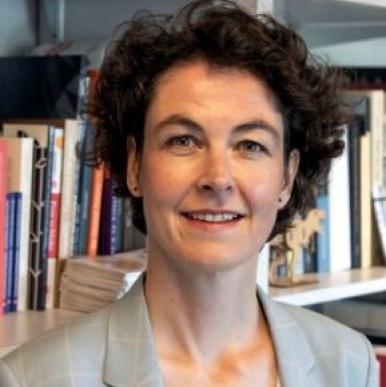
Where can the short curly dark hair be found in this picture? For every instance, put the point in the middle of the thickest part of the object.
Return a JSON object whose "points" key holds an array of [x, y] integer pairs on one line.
{"points": [[225, 36]]}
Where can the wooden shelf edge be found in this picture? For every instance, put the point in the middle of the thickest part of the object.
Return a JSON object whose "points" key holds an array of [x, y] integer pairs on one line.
{"points": [[334, 286]]}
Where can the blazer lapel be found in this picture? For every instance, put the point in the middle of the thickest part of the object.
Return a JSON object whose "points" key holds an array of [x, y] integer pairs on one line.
{"points": [[130, 358], [293, 352]]}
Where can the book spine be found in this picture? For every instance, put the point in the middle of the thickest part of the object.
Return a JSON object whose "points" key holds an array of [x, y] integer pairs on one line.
{"points": [[128, 227], [53, 245], [16, 250], [46, 209], [25, 187], [3, 223], [55, 193], [380, 353], [10, 251], [355, 130], [323, 237], [37, 227], [114, 224], [119, 225], [85, 189], [339, 214], [377, 107], [79, 170], [106, 215], [365, 200], [95, 209], [68, 177], [379, 200]]}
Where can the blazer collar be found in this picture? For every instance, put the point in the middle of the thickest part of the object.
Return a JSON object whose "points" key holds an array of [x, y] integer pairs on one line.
{"points": [[131, 359], [293, 352]]}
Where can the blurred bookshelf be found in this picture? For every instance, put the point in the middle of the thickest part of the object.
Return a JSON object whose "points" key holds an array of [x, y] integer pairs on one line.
{"points": [[324, 27]]}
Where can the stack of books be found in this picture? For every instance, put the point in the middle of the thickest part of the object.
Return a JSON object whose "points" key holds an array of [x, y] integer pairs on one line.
{"points": [[90, 284]]}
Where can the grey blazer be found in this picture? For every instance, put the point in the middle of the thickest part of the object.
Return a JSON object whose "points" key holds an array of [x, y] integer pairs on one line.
{"points": [[114, 347]]}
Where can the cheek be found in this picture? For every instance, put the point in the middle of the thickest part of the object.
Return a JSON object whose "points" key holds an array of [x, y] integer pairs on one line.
{"points": [[264, 190], [161, 184]]}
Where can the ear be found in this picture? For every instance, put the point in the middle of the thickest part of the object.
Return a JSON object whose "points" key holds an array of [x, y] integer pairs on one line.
{"points": [[290, 172], [133, 168]]}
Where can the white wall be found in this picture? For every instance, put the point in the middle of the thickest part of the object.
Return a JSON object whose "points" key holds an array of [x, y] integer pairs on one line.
{"points": [[17, 26], [366, 53]]}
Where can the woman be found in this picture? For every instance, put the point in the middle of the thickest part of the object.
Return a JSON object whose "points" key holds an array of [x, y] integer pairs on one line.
{"points": [[218, 125]]}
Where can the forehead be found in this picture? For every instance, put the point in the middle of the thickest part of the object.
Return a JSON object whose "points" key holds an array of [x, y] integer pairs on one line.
{"points": [[208, 92]]}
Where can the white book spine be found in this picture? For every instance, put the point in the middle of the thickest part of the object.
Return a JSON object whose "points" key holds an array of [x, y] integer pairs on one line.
{"points": [[67, 204], [377, 109], [339, 211]]}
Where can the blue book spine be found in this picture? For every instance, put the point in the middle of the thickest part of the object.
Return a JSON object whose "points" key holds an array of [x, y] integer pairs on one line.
{"points": [[9, 250], [16, 250], [114, 223], [118, 225], [323, 240]]}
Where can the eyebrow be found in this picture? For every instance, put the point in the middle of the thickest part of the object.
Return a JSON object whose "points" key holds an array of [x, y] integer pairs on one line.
{"points": [[181, 120]]}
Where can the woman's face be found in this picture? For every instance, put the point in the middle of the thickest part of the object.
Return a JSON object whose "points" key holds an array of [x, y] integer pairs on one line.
{"points": [[212, 173]]}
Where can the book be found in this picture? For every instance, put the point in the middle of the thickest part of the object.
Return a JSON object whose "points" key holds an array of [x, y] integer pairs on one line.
{"points": [[55, 200], [3, 205], [361, 104], [85, 190], [366, 225], [132, 238], [90, 283], [20, 160], [40, 87], [95, 209], [323, 237], [355, 130], [108, 216], [16, 251], [339, 211], [379, 201], [8, 269], [380, 353], [56, 192], [82, 129]]}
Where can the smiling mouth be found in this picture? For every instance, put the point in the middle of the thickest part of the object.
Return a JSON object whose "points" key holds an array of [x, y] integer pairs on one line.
{"points": [[213, 218]]}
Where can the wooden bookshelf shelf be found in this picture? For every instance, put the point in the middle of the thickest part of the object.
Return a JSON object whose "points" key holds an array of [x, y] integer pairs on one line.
{"points": [[334, 286]]}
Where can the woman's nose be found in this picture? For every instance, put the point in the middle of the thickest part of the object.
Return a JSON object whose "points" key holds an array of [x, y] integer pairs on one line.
{"points": [[216, 176]]}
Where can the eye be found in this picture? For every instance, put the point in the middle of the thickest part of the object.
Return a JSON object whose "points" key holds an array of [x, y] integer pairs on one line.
{"points": [[250, 146], [181, 141], [182, 145]]}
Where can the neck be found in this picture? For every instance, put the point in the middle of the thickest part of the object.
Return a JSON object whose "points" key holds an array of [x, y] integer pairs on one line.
{"points": [[202, 315]]}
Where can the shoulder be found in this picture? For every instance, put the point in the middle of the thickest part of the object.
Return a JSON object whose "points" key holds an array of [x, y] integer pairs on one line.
{"points": [[55, 354], [318, 327], [334, 343]]}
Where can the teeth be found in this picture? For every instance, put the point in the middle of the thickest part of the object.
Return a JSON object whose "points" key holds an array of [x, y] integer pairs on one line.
{"points": [[213, 217]]}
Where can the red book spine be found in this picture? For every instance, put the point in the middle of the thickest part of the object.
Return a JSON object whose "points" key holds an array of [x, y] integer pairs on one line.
{"points": [[382, 362], [3, 196], [54, 225]]}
